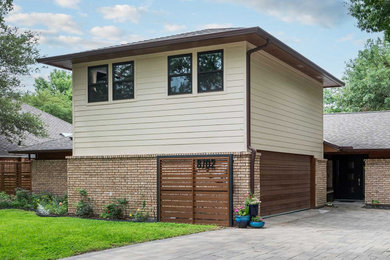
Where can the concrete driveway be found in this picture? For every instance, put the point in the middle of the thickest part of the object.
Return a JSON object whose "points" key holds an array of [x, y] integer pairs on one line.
{"points": [[345, 232]]}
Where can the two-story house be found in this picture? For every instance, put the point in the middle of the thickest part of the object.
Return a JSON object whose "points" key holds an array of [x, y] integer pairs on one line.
{"points": [[194, 122]]}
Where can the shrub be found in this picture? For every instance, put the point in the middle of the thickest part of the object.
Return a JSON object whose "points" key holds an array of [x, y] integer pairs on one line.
{"points": [[84, 207], [57, 206], [115, 210], [140, 215], [5, 200], [23, 199]]}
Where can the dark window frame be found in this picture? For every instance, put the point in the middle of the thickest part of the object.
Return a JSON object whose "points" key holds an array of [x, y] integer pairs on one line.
{"points": [[121, 81], [179, 75], [97, 84], [210, 72]]}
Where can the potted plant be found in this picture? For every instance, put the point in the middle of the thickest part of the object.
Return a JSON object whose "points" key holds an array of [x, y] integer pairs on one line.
{"points": [[253, 204], [242, 216], [256, 222]]}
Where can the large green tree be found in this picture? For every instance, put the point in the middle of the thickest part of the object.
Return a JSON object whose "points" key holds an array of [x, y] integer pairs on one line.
{"points": [[367, 79], [17, 51], [372, 15], [53, 96]]}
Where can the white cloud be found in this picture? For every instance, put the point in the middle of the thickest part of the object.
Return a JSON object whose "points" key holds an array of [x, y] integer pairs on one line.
{"points": [[348, 37], [53, 22], [174, 27], [107, 32], [326, 13], [73, 42], [68, 3], [216, 25], [122, 13]]}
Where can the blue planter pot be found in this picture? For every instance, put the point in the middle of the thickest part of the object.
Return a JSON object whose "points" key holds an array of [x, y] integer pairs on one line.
{"points": [[242, 221], [257, 224], [242, 218]]}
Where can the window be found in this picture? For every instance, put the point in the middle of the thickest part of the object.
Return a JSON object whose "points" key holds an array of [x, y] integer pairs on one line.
{"points": [[123, 80], [97, 83], [210, 71], [180, 74]]}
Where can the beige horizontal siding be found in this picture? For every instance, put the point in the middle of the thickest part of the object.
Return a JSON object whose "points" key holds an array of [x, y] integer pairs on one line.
{"points": [[155, 123], [286, 108]]}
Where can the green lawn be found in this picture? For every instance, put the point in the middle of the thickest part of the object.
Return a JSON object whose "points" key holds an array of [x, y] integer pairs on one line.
{"points": [[23, 235]]}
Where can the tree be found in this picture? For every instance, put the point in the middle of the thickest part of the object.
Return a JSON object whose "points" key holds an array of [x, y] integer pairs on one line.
{"points": [[372, 15], [53, 96], [367, 81], [17, 51]]}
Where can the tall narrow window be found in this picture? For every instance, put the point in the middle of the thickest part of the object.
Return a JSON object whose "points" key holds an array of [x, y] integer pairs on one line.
{"points": [[180, 74], [123, 80], [97, 83], [210, 71]]}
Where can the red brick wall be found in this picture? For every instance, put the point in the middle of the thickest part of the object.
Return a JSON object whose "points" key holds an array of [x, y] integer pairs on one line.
{"points": [[377, 181], [49, 176]]}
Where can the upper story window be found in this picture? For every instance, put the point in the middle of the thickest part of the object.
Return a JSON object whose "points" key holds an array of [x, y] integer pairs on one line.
{"points": [[98, 83], [210, 71], [123, 80], [180, 74]]}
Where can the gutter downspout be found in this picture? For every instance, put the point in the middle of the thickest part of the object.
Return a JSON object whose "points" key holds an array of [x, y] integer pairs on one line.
{"points": [[248, 112]]}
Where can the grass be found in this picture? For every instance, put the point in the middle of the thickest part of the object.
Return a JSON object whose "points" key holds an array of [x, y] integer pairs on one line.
{"points": [[23, 235]]}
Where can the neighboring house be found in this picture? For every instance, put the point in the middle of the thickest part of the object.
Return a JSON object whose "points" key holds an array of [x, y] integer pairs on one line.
{"points": [[53, 125], [48, 171], [357, 146], [194, 122]]}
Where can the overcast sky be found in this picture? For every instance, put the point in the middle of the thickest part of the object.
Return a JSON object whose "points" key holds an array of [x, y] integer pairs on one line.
{"points": [[321, 30]]}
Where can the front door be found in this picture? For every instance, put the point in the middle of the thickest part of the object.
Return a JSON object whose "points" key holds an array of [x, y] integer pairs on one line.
{"points": [[349, 177]]}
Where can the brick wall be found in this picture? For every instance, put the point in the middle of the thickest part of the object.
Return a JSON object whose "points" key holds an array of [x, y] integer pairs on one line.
{"points": [[241, 178], [108, 177], [49, 176], [321, 173], [377, 181]]}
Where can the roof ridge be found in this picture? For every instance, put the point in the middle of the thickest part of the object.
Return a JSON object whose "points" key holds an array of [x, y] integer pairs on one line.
{"points": [[354, 113], [50, 115]]}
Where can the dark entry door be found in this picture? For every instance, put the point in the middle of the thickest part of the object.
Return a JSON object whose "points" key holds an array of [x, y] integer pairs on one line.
{"points": [[349, 178]]}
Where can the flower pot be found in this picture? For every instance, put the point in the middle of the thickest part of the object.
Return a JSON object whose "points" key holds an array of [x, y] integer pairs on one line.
{"points": [[242, 221], [257, 224], [253, 210]]}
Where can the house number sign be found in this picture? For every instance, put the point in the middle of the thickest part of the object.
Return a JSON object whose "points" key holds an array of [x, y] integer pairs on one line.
{"points": [[205, 163]]}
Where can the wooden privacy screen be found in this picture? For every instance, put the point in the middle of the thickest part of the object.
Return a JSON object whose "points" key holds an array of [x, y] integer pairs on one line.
{"points": [[15, 175], [195, 190], [284, 182]]}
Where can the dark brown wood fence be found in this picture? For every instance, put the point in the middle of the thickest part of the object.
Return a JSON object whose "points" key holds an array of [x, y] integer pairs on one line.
{"points": [[15, 175], [195, 190]]}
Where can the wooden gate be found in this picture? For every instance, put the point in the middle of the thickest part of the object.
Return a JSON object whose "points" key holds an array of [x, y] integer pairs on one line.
{"points": [[15, 175], [196, 190]]}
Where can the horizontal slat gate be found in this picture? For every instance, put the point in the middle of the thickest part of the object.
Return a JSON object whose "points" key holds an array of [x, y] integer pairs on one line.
{"points": [[15, 175], [190, 191], [284, 182]]}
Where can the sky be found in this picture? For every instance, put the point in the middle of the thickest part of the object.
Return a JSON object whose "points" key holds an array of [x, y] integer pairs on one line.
{"points": [[321, 30]]}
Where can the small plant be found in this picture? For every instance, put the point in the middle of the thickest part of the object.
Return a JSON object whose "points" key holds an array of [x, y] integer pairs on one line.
{"points": [[257, 219], [42, 211], [252, 200], [6, 200], [84, 206], [140, 215], [115, 210], [242, 211], [375, 202]]}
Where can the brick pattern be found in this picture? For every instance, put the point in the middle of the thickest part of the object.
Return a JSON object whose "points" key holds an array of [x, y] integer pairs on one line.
{"points": [[49, 176], [377, 181], [321, 180], [108, 177], [133, 178]]}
